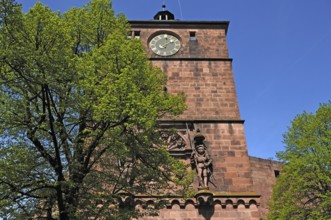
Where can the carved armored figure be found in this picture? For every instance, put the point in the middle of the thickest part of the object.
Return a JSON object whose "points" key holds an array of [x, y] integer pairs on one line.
{"points": [[201, 161]]}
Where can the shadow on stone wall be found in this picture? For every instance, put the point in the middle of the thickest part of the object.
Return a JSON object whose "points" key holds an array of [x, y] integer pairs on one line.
{"points": [[206, 211]]}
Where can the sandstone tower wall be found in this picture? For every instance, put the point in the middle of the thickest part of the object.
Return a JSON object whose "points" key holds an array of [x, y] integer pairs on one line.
{"points": [[264, 173], [202, 69]]}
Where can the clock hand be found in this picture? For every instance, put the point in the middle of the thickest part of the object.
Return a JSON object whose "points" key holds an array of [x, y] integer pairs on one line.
{"points": [[164, 45]]}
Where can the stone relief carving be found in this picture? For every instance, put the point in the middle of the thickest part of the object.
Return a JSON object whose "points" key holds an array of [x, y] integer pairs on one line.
{"points": [[173, 141]]}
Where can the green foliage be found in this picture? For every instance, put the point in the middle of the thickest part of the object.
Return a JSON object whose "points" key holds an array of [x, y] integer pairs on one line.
{"points": [[78, 116], [303, 189]]}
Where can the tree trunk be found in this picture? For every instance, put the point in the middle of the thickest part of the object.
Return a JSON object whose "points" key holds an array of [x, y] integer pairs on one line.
{"points": [[62, 207]]}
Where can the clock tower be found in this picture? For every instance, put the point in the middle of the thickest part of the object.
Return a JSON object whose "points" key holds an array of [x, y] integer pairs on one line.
{"points": [[194, 55]]}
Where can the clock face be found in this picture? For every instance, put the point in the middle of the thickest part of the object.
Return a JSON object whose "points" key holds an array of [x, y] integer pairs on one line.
{"points": [[165, 44]]}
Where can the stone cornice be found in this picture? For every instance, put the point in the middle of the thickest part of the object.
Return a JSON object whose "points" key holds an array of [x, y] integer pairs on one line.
{"points": [[203, 197], [190, 59], [176, 24], [197, 121]]}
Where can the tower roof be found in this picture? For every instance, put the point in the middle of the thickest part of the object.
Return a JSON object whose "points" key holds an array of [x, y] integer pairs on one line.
{"points": [[164, 15]]}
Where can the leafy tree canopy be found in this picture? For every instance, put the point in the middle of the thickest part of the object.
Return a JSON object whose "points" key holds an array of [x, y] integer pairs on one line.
{"points": [[78, 114], [303, 190]]}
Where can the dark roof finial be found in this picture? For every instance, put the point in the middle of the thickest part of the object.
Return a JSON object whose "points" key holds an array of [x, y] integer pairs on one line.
{"points": [[164, 15]]}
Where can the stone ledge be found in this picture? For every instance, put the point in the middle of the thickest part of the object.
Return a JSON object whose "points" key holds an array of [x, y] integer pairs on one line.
{"points": [[203, 198], [202, 120]]}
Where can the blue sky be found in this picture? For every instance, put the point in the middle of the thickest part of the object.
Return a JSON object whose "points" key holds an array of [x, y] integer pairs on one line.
{"points": [[281, 54]]}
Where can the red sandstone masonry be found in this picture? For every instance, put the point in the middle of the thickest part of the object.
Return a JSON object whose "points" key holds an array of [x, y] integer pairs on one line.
{"points": [[209, 43], [232, 171], [218, 212], [209, 95], [203, 71], [263, 173]]}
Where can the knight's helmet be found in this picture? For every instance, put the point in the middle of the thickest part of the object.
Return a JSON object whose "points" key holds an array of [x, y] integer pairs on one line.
{"points": [[198, 140]]}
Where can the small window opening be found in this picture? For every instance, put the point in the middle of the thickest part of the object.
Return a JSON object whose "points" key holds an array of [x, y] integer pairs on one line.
{"points": [[193, 36], [136, 34], [129, 36], [163, 17], [277, 173]]}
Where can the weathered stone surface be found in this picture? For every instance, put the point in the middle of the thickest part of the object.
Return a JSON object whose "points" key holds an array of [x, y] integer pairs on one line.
{"points": [[264, 173], [202, 70], [210, 95], [225, 206]]}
